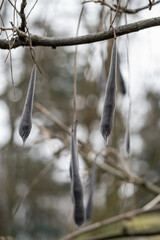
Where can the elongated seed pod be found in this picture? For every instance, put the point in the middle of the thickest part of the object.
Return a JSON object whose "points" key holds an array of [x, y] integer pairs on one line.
{"points": [[75, 141], [122, 84], [76, 187], [26, 119], [127, 141], [120, 78], [109, 102], [89, 206]]}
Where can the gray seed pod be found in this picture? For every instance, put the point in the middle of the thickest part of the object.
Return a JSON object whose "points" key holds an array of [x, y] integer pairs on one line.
{"points": [[109, 102], [89, 206], [76, 187], [120, 79], [26, 119], [127, 141], [75, 143]]}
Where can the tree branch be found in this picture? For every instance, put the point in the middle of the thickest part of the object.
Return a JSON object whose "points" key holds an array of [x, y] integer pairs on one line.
{"points": [[96, 37], [124, 216], [127, 234], [23, 17]]}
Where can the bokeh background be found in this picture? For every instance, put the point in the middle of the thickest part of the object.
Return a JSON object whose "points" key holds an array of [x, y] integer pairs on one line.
{"points": [[39, 172]]}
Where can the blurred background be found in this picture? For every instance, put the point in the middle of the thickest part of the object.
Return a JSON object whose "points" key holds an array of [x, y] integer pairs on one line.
{"points": [[35, 199]]}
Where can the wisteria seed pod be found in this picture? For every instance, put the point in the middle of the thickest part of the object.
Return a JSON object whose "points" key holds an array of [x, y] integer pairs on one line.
{"points": [[26, 119], [89, 206], [120, 78], [76, 187], [109, 102]]}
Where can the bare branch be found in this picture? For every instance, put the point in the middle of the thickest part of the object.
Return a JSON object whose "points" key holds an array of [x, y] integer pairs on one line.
{"points": [[96, 37], [14, 7], [126, 234], [106, 222], [22, 15], [123, 9]]}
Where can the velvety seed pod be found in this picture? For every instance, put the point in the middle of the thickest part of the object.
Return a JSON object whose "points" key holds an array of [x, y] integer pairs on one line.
{"points": [[127, 142], [26, 119], [109, 102], [122, 84], [120, 79], [75, 142], [76, 187], [89, 206]]}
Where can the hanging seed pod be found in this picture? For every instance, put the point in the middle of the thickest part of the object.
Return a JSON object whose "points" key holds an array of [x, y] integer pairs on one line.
{"points": [[75, 142], [109, 102], [76, 187], [127, 136], [127, 140], [26, 119], [89, 206], [120, 79]]}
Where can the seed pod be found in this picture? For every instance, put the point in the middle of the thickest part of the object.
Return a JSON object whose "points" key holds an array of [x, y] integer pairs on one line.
{"points": [[109, 102], [75, 142], [76, 187], [127, 141], [89, 206], [120, 78], [26, 119]]}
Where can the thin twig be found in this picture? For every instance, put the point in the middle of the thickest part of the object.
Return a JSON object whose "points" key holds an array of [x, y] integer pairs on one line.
{"points": [[10, 54], [101, 2], [14, 7], [75, 69], [6, 29], [31, 9], [152, 203], [121, 9], [1, 5], [117, 9]]}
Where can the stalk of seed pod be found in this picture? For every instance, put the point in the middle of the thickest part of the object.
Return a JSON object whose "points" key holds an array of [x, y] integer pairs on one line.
{"points": [[26, 119], [76, 187], [120, 78], [89, 206], [109, 102]]}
